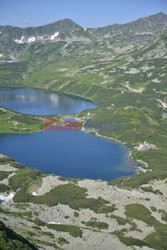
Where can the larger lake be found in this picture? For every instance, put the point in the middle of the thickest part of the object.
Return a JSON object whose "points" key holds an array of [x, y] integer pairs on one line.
{"points": [[65, 153], [69, 154]]}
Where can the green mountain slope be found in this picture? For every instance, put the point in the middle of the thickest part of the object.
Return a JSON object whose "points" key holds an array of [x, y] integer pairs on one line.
{"points": [[11, 240]]}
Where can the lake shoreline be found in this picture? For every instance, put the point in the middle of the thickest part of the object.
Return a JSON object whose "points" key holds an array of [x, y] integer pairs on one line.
{"points": [[61, 117]]}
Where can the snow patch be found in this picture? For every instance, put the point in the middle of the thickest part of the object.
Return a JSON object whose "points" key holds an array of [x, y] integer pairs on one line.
{"points": [[40, 37], [5, 199], [52, 222], [85, 29], [19, 40], [54, 36], [34, 194], [31, 39]]}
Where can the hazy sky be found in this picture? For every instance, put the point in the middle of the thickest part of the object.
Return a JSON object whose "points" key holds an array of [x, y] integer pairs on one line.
{"points": [[87, 13]]}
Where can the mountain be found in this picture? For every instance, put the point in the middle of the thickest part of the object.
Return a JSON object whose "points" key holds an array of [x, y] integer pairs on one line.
{"points": [[121, 68], [66, 29], [143, 25], [15, 39]]}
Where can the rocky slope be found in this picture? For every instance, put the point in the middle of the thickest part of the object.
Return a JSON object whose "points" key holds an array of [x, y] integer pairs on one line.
{"points": [[124, 218]]}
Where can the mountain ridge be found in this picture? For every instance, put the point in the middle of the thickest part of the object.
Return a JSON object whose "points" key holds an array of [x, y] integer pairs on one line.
{"points": [[159, 14], [68, 28]]}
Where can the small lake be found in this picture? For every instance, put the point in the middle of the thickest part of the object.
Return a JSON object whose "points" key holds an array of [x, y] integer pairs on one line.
{"points": [[42, 102], [69, 154], [73, 154]]}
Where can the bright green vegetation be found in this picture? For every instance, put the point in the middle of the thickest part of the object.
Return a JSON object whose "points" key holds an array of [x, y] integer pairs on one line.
{"points": [[140, 212], [10, 240], [122, 221], [69, 194], [3, 188], [27, 214], [130, 241], [11, 74], [48, 234], [71, 229], [149, 189], [24, 177], [164, 217], [62, 241], [22, 196], [76, 214], [4, 174], [8, 160], [156, 240], [39, 222], [96, 224], [12, 121], [74, 180], [153, 209], [136, 126], [21, 206]]}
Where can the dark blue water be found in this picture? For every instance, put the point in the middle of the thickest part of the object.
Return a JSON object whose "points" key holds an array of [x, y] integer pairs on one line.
{"points": [[42, 102], [65, 153], [69, 154]]}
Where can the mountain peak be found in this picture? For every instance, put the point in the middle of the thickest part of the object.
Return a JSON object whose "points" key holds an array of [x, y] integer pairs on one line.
{"points": [[65, 21], [161, 14]]}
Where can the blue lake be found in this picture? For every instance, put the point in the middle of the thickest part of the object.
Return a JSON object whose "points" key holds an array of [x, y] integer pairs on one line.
{"points": [[42, 102], [69, 154], [65, 153]]}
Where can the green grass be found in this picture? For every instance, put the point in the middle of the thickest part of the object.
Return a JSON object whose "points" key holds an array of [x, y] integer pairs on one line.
{"points": [[158, 239], [62, 241], [39, 222], [24, 177], [96, 224], [120, 220], [140, 212], [76, 214], [17, 214], [9, 160], [4, 174], [149, 189], [3, 188], [12, 121], [71, 229], [164, 217], [130, 241], [68, 194]]}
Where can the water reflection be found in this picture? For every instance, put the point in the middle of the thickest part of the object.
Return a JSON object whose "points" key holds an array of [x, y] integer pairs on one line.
{"points": [[40, 102]]}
